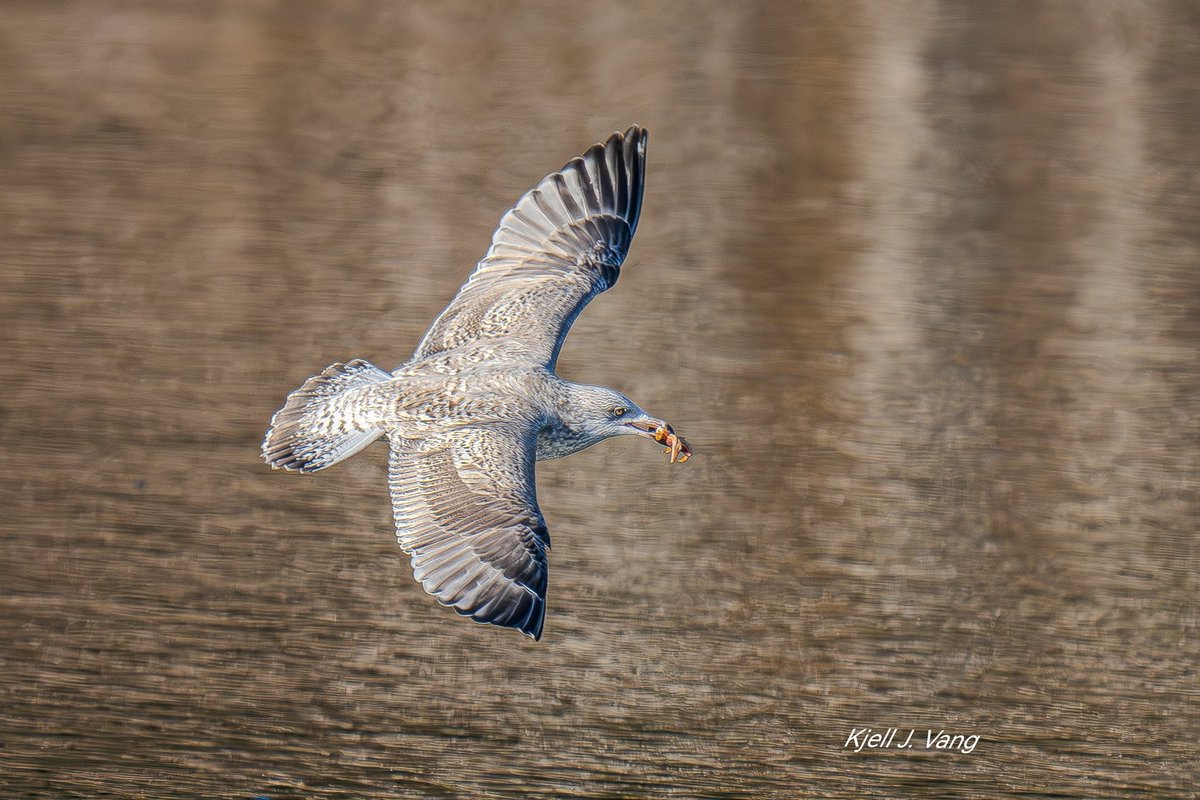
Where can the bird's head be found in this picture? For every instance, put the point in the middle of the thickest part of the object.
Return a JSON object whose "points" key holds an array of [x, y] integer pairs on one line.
{"points": [[606, 412]]}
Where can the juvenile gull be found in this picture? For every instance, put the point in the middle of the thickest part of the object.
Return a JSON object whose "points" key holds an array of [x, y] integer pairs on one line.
{"points": [[478, 403]]}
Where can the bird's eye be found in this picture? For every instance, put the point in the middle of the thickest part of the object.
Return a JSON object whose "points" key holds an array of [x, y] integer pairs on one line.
{"points": [[619, 411]]}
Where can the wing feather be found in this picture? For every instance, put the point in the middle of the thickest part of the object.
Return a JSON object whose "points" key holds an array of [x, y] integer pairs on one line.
{"points": [[560, 245], [466, 511]]}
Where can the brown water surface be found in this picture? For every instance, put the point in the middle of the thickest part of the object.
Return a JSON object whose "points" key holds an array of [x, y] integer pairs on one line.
{"points": [[920, 282]]}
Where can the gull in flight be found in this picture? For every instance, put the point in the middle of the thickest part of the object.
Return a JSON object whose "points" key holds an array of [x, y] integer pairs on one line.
{"points": [[479, 403]]}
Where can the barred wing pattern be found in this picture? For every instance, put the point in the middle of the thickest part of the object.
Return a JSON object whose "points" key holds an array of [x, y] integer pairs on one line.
{"points": [[561, 245], [466, 510]]}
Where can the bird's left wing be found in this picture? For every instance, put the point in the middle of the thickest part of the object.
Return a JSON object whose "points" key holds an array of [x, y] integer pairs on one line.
{"points": [[557, 248], [466, 510]]}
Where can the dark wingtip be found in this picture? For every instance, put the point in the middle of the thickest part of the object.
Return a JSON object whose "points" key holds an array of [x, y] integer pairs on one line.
{"points": [[637, 133], [531, 624], [534, 629], [499, 615], [634, 135]]}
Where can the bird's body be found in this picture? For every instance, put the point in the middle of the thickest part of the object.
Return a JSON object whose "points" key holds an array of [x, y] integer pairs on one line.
{"points": [[479, 402]]}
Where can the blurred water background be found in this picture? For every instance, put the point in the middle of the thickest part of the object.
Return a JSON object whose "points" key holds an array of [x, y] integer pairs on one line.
{"points": [[918, 280]]}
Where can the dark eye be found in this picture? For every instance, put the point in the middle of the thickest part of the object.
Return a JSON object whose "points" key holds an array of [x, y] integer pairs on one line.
{"points": [[619, 411]]}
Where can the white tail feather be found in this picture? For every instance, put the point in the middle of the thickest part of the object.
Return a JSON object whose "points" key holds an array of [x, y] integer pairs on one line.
{"points": [[321, 423]]}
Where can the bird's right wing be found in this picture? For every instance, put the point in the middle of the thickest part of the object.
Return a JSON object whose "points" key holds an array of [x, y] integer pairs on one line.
{"points": [[561, 245], [466, 510]]}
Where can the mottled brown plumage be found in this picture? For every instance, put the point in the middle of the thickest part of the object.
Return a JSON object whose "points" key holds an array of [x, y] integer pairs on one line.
{"points": [[478, 404]]}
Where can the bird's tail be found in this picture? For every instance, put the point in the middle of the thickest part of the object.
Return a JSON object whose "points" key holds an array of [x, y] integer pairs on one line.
{"points": [[326, 420]]}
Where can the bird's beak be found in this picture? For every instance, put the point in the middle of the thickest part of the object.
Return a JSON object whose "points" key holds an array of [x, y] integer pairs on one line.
{"points": [[648, 427], [661, 432]]}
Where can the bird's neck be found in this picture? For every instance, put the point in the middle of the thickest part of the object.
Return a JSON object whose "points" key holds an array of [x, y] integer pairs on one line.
{"points": [[564, 431]]}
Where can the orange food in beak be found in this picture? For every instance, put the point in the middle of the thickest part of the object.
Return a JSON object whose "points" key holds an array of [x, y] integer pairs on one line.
{"points": [[676, 445]]}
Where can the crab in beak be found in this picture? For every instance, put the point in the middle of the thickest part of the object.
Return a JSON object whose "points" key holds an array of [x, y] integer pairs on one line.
{"points": [[662, 433]]}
